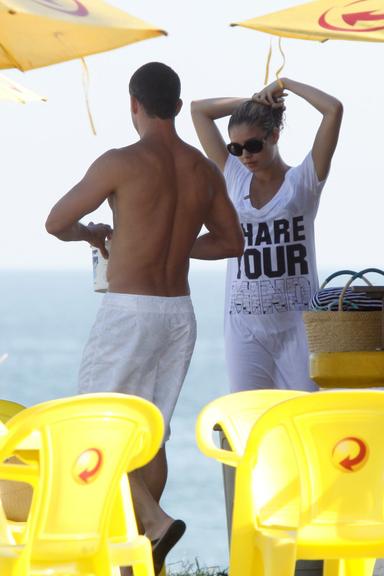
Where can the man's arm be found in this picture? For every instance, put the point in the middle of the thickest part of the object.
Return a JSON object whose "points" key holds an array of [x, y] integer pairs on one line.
{"points": [[331, 109], [204, 113], [225, 238], [85, 197]]}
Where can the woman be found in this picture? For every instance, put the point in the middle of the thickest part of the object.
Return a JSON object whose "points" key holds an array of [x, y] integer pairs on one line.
{"points": [[272, 283]]}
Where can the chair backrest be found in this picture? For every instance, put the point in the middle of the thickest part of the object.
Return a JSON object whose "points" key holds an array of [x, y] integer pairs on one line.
{"points": [[86, 445], [8, 409], [235, 414], [15, 497], [317, 460]]}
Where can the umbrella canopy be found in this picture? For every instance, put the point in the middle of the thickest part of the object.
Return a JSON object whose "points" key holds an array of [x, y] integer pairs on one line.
{"points": [[325, 19], [35, 33], [10, 90]]}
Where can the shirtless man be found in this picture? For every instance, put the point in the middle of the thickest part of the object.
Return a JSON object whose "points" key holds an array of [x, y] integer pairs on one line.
{"points": [[161, 192]]}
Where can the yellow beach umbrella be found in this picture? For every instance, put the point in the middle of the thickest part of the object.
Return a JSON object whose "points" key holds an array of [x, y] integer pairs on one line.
{"points": [[10, 90], [361, 20], [35, 33]]}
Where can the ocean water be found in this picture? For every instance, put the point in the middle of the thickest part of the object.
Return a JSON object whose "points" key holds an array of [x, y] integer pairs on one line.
{"points": [[45, 318]]}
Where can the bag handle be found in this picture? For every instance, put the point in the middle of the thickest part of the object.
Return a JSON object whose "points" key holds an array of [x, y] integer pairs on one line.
{"points": [[353, 278], [335, 274]]}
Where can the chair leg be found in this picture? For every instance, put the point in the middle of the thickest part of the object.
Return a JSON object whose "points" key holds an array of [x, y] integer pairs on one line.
{"points": [[140, 569], [102, 565], [359, 566], [21, 567], [260, 554], [244, 559], [6, 566], [333, 568], [279, 557], [349, 567]]}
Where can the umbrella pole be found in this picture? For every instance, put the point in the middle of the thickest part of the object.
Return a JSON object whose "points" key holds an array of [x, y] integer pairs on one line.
{"points": [[86, 94]]}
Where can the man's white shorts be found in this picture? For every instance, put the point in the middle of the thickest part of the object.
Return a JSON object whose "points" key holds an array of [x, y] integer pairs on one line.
{"points": [[140, 345]]}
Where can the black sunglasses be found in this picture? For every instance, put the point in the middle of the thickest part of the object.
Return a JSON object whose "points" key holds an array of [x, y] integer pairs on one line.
{"points": [[253, 146]]}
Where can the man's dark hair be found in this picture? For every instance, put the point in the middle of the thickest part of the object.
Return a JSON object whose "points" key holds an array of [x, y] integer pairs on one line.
{"points": [[157, 88]]}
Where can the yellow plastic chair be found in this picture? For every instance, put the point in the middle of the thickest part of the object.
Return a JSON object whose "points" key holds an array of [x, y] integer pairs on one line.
{"points": [[86, 446], [235, 414], [310, 486], [12, 494], [15, 496]]}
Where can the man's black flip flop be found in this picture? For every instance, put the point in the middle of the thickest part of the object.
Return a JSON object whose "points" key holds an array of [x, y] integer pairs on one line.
{"points": [[161, 546]]}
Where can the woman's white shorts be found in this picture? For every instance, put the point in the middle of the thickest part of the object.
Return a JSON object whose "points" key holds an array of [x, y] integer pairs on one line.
{"points": [[258, 360]]}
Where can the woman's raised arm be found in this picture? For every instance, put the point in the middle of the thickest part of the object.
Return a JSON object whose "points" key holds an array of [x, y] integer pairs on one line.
{"points": [[204, 113], [331, 109]]}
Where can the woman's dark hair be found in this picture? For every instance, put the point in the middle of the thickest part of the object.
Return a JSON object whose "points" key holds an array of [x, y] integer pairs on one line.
{"points": [[260, 115], [157, 87]]}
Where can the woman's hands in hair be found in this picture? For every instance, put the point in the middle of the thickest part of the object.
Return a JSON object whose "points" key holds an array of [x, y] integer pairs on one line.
{"points": [[272, 95]]}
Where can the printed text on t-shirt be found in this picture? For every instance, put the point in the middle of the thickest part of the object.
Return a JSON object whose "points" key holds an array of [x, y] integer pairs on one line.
{"points": [[275, 251]]}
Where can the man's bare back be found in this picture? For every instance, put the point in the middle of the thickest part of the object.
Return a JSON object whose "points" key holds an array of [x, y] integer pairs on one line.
{"points": [[163, 195], [161, 191]]}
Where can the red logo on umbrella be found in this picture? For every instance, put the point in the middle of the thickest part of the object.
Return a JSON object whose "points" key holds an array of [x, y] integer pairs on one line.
{"points": [[343, 19], [73, 7], [350, 454], [88, 465]]}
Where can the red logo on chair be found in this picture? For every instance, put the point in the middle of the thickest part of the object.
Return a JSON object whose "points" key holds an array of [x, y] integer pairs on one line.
{"points": [[350, 454], [88, 465]]}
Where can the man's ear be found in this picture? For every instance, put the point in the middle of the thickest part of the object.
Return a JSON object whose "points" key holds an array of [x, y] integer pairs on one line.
{"points": [[134, 104], [179, 106]]}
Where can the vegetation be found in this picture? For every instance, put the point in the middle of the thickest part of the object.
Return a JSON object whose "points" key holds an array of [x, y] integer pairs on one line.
{"points": [[194, 569]]}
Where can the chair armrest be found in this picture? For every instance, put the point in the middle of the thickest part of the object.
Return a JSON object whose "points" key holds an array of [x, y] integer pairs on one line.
{"points": [[205, 426], [20, 472]]}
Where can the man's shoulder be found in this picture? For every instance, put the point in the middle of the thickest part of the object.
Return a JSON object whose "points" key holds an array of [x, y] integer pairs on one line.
{"points": [[119, 156], [117, 164], [200, 159], [124, 151]]}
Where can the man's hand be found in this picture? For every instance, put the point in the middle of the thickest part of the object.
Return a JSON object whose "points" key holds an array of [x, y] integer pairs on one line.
{"points": [[98, 234]]}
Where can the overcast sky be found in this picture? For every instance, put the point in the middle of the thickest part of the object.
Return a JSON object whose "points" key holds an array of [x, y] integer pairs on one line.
{"points": [[46, 148]]}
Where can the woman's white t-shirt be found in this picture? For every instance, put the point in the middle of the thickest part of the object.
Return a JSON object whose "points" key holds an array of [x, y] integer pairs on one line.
{"points": [[273, 282]]}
